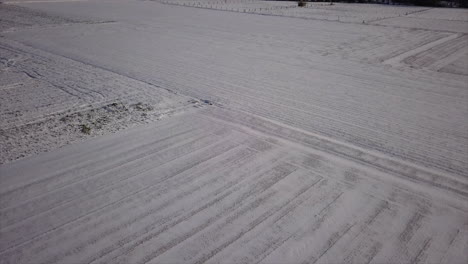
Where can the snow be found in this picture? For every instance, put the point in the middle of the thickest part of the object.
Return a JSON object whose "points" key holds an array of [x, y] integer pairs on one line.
{"points": [[232, 132]]}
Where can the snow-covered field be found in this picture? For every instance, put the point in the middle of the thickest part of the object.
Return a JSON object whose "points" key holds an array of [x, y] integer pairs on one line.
{"points": [[320, 10], [232, 132]]}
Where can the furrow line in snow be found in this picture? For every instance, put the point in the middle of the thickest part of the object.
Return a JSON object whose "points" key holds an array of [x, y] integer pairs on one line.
{"points": [[227, 202], [56, 181], [114, 213], [85, 207], [142, 221], [96, 183]]}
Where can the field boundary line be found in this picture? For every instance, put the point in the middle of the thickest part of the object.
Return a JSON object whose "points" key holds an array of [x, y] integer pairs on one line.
{"points": [[397, 60], [441, 180]]}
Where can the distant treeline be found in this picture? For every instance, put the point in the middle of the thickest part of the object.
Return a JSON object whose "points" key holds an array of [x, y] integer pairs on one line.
{"points": [[444, 3]]}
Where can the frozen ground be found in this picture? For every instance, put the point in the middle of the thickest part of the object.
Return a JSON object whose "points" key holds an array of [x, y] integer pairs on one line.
{"points": [[251, 132]]}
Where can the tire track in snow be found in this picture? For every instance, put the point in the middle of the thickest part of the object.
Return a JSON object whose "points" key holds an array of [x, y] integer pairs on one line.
{"points": [[150, 213], [90, 186], [49, 225], [109, 216], [32, 191], [266, 180], [289, 205]]}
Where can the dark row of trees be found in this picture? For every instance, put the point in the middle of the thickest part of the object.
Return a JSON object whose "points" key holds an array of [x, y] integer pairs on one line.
{"points": [[446, 3]]}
